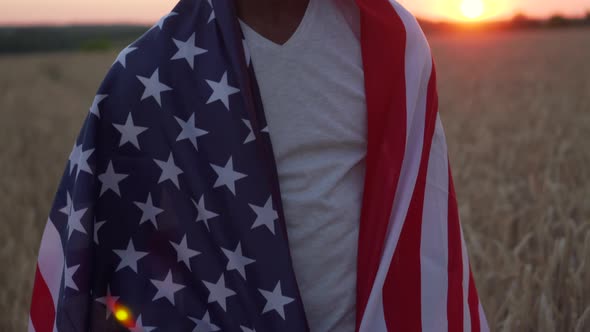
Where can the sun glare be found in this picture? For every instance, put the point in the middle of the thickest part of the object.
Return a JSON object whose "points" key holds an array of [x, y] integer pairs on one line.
{"points": [[472, 9]]}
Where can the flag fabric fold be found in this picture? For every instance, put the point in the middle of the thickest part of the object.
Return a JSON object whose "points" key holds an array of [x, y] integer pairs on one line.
{"points": [[413, 268], [168, 216]]}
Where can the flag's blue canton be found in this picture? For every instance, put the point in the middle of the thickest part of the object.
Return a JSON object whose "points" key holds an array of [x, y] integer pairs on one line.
{"points": [[169, 204]]}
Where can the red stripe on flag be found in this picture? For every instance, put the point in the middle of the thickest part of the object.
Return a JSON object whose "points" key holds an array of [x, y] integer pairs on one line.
{"points": [[455, 266], [473, 304], [402, 289], [42, 308], [383, 40]]}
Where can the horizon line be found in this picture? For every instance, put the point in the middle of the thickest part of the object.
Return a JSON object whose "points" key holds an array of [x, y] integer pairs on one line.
{"points": [[131, 22]]}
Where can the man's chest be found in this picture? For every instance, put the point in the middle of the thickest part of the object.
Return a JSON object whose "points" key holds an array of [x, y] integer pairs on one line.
{"points": [[312, 87]]}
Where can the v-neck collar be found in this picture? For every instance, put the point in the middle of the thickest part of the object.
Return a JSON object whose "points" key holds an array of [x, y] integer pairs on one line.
{"points": [[252, 36]]}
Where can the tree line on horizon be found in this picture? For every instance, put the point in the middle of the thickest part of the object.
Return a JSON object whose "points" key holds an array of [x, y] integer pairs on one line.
{"points": [[518, 21], [103, 38]]}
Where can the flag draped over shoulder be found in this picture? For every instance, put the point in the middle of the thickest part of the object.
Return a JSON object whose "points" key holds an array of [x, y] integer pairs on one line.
{"points": [[168, 216], [169, 209], [413, 268]]}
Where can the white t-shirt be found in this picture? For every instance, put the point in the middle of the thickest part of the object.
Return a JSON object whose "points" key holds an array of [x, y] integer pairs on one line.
{"points": [[312, 90]]}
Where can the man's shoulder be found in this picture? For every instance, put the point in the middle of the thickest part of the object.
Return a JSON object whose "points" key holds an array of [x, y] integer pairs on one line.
{"points": [[411, 24], [416, 42]]}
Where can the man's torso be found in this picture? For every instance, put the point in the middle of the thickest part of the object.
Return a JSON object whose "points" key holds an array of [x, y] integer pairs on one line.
{"points": [[312, 89]]}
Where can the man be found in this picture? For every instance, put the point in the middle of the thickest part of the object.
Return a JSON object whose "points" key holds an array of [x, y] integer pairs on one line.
{"points": [[191, 230]]}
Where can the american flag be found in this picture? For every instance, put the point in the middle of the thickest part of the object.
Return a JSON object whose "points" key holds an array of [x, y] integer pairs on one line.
{"points": [[168, 216]]}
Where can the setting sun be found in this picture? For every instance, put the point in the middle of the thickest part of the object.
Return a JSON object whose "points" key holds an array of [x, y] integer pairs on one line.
{"points": [[472, 9]]}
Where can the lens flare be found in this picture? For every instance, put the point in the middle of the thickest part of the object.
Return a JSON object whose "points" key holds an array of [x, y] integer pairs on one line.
{"points": [[122, 315]]}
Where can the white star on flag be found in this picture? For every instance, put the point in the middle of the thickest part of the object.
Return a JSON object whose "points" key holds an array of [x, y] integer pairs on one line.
{"points": [[202, 213], [212, 15], [187, 50], [275, 300], [75, 221], [139, 327], [129, 132], [184, 253], [245, 329], [109, 301], [221, 91], [66, 209], [169, 170], [122, 57], [237, 261], [166, 288], [129, 257], [265, 215], [226, 176], [204, 324], [250, 136], [75, 156], [97, 100], [218, 292], [190, 130], [83, 161], [153, 87], [162, 20], [149, 211], [97, 227], [69, 276], [110, 180]]}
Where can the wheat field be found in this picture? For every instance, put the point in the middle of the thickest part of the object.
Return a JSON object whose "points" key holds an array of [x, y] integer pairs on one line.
{"points": [[516, 109]]}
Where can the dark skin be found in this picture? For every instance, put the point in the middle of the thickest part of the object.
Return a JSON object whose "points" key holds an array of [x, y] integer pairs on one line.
{"points": [[275, 20]]}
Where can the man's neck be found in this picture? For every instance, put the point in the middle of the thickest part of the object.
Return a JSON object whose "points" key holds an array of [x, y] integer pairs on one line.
{"points": [[276, 20]]}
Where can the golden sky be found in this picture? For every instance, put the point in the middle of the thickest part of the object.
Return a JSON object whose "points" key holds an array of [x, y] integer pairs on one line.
{"points": [[147, 11]]}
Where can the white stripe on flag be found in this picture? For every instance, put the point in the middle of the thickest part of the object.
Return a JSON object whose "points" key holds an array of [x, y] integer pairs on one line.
{"points": [[418, 67], [31, 327], [483, 322], [51, 260], [434, 240]]}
